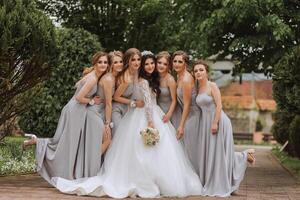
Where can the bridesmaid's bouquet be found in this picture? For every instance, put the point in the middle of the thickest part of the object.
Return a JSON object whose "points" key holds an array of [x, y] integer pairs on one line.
{"points": [[150, 136]]}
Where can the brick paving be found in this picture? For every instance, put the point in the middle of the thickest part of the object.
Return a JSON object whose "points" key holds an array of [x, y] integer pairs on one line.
{"points": [[266, 180]]}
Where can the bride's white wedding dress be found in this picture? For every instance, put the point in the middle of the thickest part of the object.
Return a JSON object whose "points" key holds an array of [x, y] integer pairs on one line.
{"points": [[133, 169]]}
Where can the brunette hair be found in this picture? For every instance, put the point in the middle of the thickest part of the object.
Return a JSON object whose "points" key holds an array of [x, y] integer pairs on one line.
{"points": [[126, 58], [153, 79], [183, 54]]}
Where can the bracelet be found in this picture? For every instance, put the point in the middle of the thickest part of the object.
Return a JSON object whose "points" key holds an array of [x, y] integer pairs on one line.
{"points": [[133, 104], [92, 102], [110, 125]]}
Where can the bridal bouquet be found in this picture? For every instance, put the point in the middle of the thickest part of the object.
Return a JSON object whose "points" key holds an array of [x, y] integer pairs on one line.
{"points": [[150, 136]]}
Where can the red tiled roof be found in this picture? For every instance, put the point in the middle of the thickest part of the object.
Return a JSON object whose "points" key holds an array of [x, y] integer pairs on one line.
{"points": [[237, 95], [262, 89], [266, 104], [240, 102]]}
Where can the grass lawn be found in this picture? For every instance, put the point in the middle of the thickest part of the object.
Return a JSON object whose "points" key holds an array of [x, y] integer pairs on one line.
{"points": [[292, 163], [13, 160]]}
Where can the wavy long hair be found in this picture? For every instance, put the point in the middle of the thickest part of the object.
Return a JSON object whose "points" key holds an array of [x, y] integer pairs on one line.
{"points": [[126, 59], [184, 55], [152, 78]]}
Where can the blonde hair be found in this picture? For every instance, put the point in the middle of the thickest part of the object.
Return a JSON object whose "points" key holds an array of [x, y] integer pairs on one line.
{"points": [[166, 55], [95, 59], [111, 56]]}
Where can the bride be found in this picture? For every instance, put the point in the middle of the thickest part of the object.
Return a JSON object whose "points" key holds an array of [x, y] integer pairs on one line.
{"points": [[133, 169]]}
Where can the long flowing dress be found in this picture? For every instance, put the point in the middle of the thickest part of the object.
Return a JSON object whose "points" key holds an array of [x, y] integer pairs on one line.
{"points": [[164, 101], [119, 109], [221, 170], [191, 129], [99, 110], [133, 169], [68, 153]]}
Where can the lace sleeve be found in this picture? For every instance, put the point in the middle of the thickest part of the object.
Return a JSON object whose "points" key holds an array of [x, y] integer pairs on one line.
{"points": [[147, 99]]}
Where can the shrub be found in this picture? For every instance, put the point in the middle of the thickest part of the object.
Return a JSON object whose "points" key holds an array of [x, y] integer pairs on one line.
{"points": [[280, 128], [294, 135], [76, 48], [27, 53]]}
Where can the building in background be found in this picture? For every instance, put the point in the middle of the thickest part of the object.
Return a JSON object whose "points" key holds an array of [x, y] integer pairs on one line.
{"points": [[248, 103]]}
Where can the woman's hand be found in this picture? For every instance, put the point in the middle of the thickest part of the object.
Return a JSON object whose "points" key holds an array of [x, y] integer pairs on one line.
{"points": [[97, 100], [214, 128], [166, 118], [139, 103], [107, 133], [180, 132], [150, 124]]}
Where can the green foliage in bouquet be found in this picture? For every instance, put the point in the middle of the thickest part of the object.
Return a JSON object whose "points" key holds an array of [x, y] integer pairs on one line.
{"points": [[150, 136]]}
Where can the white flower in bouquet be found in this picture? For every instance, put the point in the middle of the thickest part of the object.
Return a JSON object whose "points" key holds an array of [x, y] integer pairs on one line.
{"points": [[150, 136]]}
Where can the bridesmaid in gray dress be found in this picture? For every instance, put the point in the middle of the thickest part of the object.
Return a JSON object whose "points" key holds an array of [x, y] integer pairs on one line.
{"points": [[75, 149], [167, 99], [124, 96], [186, 94], [107, 85], [221, 170]]}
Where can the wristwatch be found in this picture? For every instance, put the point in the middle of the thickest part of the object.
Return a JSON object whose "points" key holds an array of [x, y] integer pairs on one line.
{"points": [[133, 104]]}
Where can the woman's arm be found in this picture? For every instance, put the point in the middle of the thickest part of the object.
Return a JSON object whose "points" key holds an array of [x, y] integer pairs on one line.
{"points": [[108, 84], [215, 91], [106, 140], [172, 86], [119, 98], [146, 91], [88, 85], [119, 92], [187, 87]]}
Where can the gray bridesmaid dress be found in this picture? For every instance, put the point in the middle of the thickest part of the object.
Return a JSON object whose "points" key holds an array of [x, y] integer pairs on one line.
{"points": [[119, 109], [100, 109], [164, 101], [190, 138], [75, 149], [221, 170]]}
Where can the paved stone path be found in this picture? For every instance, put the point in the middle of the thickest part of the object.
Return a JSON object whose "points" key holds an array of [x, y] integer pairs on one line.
{"points": [[266, 180]]}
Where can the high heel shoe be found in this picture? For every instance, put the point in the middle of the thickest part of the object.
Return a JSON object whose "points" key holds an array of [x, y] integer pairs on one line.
{"points": [[29, 142], [250, 156]]}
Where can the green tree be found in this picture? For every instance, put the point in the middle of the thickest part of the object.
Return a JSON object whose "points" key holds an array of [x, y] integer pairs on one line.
{"points": [[286, 82], [27, 51], [294, 135], [76, 47], [120, 24], [256, 33], [280, 128], [286, 92]]}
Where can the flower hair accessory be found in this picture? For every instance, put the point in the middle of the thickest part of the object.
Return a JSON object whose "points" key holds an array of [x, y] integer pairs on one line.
{"points": [[147, 53]]}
